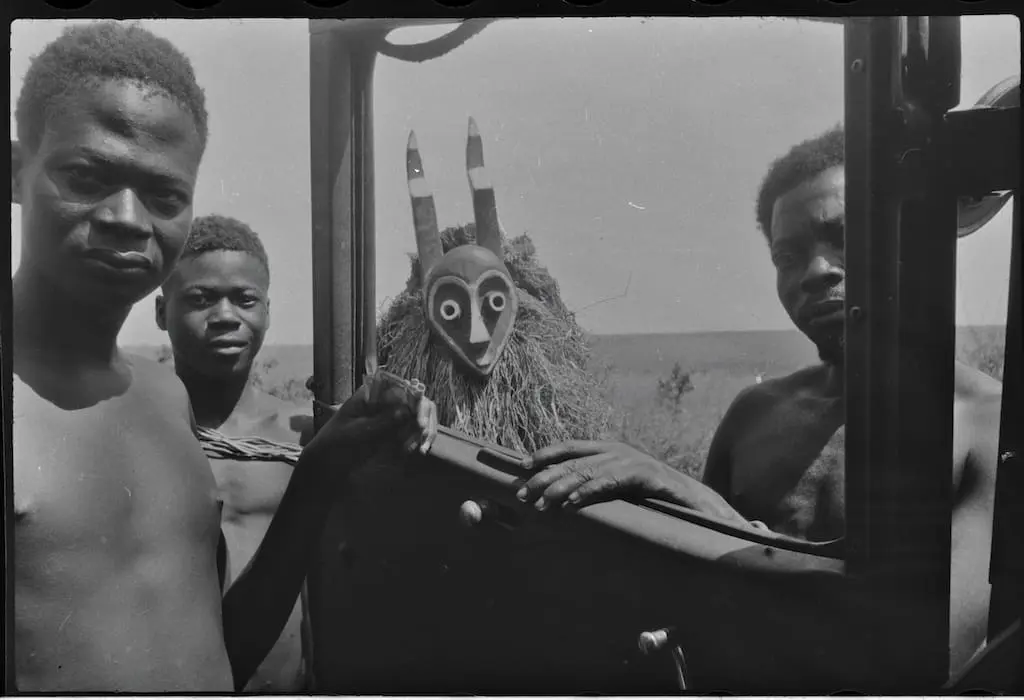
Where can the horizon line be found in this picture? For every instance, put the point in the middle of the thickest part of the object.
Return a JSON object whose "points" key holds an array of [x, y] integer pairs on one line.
{"points": [[620, 335]]}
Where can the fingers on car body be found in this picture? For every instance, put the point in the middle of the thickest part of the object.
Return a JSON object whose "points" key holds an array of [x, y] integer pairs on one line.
{"points": [[573, 449], [577, 481]]}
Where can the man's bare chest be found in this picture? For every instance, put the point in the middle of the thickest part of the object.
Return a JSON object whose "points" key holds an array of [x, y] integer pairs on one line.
{"points": [[253, 487], [127, 467], [788, 470]]}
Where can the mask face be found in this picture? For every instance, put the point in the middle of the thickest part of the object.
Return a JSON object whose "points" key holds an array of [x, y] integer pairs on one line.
{"points": [[469, 298], [471, 305]]}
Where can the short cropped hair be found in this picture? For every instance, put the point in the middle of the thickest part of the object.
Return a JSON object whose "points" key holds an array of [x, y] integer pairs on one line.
{"points": [[215, 232], [104, 51], [804, 161]]}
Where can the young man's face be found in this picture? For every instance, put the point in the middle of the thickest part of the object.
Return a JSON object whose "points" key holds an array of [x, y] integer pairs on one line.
{"points": [[807, 250], [106, 197], [216, 311]]}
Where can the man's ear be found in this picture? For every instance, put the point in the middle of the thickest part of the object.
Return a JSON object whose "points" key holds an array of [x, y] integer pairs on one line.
{"points": [[17, 165], [268, 314], [161, 312]]}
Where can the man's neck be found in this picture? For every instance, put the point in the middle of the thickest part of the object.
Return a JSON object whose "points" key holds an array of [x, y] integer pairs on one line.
{"points": [[835, 378], [215, 399], [55, 328]]}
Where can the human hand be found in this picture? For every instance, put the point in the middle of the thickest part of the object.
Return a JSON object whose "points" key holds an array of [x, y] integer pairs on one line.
{"points": [[384, 409], [581, 472]]}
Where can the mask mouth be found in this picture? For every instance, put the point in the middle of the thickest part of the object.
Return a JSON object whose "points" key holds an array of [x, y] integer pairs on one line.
{"points": [[487, 359]]}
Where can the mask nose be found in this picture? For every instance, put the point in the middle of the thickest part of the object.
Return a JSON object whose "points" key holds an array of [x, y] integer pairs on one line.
{"points": [[477, 330]]}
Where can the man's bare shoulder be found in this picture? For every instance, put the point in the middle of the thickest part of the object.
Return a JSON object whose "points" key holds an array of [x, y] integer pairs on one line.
{"points": [[814, 378], [159, 380], [972, 386], [756, 398], [158, 375], [977, 399]]}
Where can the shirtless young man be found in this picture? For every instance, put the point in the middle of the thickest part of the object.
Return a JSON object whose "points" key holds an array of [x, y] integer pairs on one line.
{"points": [[117, 525], [216, 310], [776, 457]]}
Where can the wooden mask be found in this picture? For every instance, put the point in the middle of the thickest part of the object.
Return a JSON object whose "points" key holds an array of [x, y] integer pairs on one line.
{"points": [[468, 295]]}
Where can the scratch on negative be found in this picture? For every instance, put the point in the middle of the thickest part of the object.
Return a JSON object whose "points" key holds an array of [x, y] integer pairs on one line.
{"points": [[59, 629], [129, 491]]}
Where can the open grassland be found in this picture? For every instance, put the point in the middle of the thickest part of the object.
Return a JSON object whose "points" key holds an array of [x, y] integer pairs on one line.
{"points": [[669, 390]]}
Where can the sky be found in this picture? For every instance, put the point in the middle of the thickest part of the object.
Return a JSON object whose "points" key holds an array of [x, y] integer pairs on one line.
{"points": [[630, 150]]}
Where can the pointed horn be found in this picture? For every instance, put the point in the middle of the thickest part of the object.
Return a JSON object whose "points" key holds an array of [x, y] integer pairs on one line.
{"points": [[424, 216], [485, 210]]}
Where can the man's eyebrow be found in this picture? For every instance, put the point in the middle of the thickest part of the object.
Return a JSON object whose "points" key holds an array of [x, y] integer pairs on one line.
{"points": [[228, 287], [125, 163], [834, 228]]}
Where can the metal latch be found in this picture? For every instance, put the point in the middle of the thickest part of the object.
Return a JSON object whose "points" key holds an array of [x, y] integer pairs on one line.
{"points": [[655, 640]]}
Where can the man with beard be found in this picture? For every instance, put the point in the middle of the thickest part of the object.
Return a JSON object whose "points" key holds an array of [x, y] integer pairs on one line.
{"points": [[117, 528], [216, 310], [776, 454]]}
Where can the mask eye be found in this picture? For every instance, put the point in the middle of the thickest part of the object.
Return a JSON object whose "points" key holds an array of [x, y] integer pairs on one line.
{"points": [[496, 300], [450, 310]]}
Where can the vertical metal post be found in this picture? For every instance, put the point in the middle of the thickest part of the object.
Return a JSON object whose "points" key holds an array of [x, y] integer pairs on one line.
{"points": [[916, 534], [900, 256], [341, 72], [871, 237], [7, 477]]}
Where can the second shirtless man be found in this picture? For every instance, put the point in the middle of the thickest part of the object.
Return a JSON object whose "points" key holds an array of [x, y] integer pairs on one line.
{"points": [[216, 310]]}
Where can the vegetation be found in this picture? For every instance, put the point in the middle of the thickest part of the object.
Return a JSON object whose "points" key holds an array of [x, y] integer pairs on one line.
{"points": [[669, 412], [269, 375]]}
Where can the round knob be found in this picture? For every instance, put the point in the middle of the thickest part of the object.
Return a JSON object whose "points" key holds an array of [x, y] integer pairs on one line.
{"points": [[652, 641], [471, 513]]}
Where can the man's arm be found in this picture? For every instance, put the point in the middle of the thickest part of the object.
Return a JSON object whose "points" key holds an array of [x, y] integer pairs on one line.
{"points": [[718, 466], [977, 423], [223, 562], [259, 602], [257, 605], [585, 472]]}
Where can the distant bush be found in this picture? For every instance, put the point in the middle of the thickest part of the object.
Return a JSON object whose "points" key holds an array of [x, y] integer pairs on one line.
{"points": [[291, 389], [673, 418], [674, 387]]}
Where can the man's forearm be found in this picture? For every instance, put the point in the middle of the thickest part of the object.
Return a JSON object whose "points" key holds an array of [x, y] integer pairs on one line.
{"points": [[258, 604], [694, 494]]}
